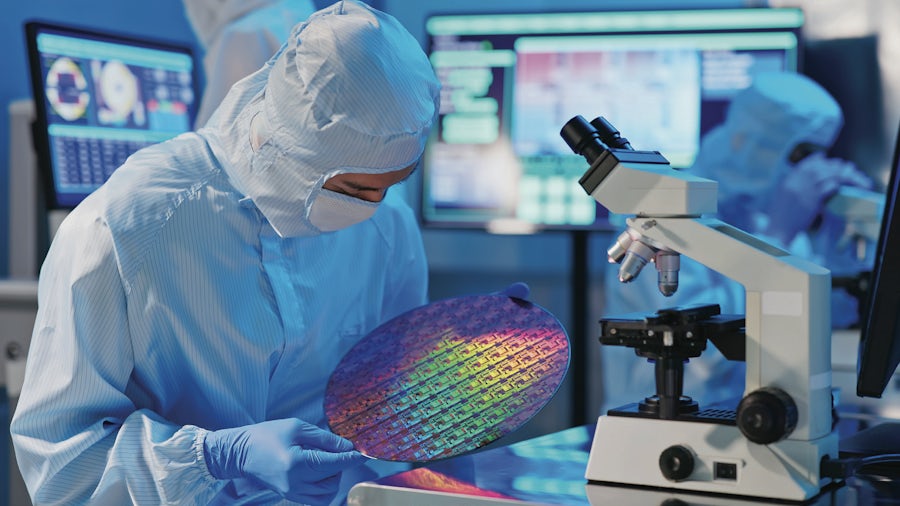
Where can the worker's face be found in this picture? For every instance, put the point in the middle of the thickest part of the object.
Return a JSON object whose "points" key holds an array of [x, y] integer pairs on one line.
{"points": [[348, 199], [757, 163], [368, 187]]}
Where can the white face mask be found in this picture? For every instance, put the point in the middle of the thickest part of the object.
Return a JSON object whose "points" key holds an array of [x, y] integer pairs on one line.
{"points": [[332, 211]]}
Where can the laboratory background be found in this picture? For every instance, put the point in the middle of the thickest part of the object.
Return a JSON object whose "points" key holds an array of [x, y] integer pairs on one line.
{"points": [[851, 48]]}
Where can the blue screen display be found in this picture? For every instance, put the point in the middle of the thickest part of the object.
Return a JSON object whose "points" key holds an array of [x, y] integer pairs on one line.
{"points": [[511, 81], [100, 98]]}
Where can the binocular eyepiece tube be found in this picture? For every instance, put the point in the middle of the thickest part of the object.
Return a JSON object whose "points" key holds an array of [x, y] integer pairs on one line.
{"points": [[592, 139]]}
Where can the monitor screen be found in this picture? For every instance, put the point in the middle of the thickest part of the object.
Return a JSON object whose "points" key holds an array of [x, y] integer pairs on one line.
{"points": [[511, 81], [100, 97], [879, 345]]}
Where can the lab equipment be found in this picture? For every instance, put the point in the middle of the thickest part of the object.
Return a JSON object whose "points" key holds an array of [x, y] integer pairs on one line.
{"points": [[494, 163], [99, 97], [862, 210], [768, 158], [28, 223], [669, 338], [772, 445], [549, 469], [447, 378]]}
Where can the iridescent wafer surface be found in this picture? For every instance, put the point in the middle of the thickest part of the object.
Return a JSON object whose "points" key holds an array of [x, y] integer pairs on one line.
{"points": [[447, 378]]}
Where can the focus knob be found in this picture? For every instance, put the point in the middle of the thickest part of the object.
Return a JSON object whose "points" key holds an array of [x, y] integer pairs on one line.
{"points": [[767, 415], [676, 463]]}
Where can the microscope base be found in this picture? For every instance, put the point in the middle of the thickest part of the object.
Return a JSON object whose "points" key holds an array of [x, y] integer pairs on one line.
{"points": [[627, 450]]}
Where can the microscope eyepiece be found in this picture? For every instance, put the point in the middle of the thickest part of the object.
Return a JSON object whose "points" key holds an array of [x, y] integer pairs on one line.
{"points": [[583, 138], [609, 135]]}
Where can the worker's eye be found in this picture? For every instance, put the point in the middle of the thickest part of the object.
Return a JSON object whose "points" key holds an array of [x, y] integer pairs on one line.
{"points": [[803, 150], [366, 194], [370, 195]]}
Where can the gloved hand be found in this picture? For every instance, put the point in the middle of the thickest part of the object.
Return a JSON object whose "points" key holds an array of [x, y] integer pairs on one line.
{"points": [[517, 290], [802, 194], [298, 460]]}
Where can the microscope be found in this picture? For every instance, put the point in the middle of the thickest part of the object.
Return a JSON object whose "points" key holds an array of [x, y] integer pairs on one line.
{"points": [[772, 444], [862, 212]]}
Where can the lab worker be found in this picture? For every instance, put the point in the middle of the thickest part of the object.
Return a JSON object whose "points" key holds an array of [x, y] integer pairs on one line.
{"points": [[238, 37], [768, 157], [192, 309]]}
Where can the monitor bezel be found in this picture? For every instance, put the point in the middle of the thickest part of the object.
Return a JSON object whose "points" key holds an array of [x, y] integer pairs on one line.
{"points": [[879, 340], [40, 125]]}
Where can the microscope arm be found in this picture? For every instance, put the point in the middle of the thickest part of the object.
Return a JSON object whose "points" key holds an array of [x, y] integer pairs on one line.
{"points": [[788, 341]]}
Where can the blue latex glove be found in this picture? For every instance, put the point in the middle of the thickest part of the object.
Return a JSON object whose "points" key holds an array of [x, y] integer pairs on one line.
{"points": [[297, 460], [802, 194], [517, 290]]}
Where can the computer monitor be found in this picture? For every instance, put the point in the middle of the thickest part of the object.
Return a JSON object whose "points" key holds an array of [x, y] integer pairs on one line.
{"points": [[879, 345], [99, 97], [510, 81]]}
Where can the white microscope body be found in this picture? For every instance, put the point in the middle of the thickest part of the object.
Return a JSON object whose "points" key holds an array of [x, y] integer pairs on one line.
{"points": [[787, 332]]}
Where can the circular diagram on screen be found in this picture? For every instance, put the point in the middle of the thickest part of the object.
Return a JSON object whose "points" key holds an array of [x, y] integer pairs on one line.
{"points": [[67, 89], [118, 91], [447, 378]]}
